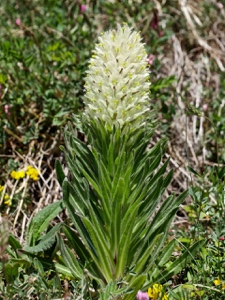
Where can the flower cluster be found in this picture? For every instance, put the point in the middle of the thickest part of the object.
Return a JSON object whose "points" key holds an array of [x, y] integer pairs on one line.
{"points": [[117, 82], [156, 292], [142, 296], [31, 172], [18, 174]]}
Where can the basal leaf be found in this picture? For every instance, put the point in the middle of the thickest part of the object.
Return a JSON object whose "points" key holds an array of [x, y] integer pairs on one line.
{"points": [[46, 241], [40, 222], [126, 238], [103, 258], [70, 260]]}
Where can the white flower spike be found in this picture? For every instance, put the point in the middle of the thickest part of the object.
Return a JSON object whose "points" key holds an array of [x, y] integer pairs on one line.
{"points": [[117, 82]]}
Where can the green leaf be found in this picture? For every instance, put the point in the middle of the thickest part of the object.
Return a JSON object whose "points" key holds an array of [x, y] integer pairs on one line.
{"points": [[75, 196], [103, 259], [152, 198], [3, 78], [141, 257], [116, 217], [14, 243], [21, 262], [166, 253], [76, 217], [85, 260], [40, 222], [149, 253], [38, 266], [104, 192], [162, 83], [46, 242], [180, 263], [167, 209], [59, 172], [193, 110], [64, 270], [126, 238], [70, 260], [152, 158], [11, 271], [77, 244]]}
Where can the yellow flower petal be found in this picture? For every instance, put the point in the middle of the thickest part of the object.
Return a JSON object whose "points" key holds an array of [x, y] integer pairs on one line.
{"points": [[7, 200], [18, 174], [217, 281], [32, 173], [156, 292]]}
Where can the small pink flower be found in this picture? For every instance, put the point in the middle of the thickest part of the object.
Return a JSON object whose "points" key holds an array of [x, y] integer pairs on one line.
{"points": [[18, 22], [83, 8], [6, 109], [219, 5], [150, 59], [222, 238], [205, 107], [142, 296]]}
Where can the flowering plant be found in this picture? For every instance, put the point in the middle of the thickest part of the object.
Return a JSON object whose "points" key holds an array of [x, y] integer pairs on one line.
{"points": [[31, 172], [114, 196]]}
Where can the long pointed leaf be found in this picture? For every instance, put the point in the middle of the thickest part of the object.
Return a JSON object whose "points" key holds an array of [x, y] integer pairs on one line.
{"points": [[70, 260], [103, 256], [126, 238]]}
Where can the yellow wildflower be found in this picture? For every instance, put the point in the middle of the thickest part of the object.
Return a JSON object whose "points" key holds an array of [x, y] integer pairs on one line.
{"points": [[219, 282], [32, 173], [18, 174], [156, 292], [7, 200], [1, 188]]}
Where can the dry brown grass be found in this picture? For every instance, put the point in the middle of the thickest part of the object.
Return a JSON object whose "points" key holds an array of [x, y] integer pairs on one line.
{"points": [[197, 70]]}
